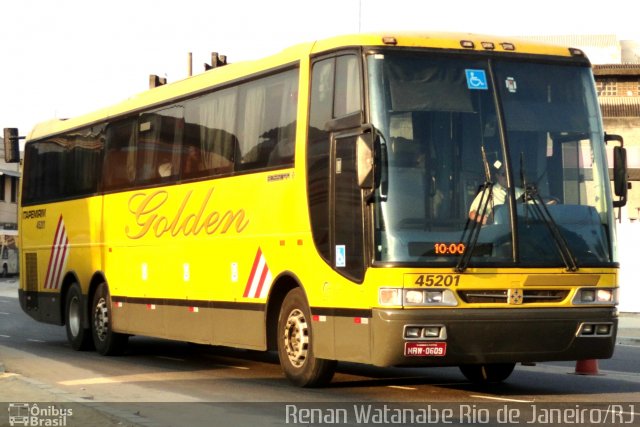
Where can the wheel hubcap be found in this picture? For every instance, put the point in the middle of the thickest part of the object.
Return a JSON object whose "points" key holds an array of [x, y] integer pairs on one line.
{"points": [[74, 316], [101, 319], [296, 338]]}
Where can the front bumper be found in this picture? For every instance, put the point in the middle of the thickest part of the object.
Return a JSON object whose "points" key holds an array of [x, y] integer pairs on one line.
{"points": [[494, 335]]}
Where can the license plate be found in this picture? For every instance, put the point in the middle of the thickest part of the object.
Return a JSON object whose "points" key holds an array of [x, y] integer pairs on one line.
{"points": [[425, 349]]}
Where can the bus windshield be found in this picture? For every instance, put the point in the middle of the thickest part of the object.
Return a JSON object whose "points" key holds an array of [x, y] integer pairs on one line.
{"points": [[499, 161]]}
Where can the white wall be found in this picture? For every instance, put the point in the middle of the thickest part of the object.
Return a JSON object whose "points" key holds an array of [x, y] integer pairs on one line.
{"points": [[629, 256]]}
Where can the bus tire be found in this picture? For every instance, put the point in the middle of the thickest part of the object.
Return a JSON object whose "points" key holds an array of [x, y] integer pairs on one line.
{"points": [[490, 373], [295, 344], [78, 336], [107, 342]]}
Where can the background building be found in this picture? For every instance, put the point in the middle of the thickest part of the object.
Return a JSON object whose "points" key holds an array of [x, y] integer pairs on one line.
{"points": [[9, 181], [618, 87]]}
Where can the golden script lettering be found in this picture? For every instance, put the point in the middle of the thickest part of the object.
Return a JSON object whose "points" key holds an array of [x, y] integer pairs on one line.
{"points": [[146, 208]]}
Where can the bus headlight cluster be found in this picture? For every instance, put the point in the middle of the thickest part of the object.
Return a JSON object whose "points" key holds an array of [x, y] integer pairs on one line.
{"points": [[596, 296], [417, 297]]}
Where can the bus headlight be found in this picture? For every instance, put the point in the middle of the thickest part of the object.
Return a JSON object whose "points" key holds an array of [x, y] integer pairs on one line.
{"points": [[596, 296], [417, 297], [430, 297], [414, 297], [434, 297]]}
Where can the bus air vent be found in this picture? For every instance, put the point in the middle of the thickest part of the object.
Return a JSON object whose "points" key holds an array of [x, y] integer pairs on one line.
{"points": [[31, 273], [31, 279]]}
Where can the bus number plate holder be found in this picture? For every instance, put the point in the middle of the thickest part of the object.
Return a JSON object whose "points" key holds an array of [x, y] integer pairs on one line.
{"points": [[425, 349]]}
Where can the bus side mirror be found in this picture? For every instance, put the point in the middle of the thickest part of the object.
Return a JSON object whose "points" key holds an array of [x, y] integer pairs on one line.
{"points": [[364, 147], [11, 146], [620, 178], [620, 173]]}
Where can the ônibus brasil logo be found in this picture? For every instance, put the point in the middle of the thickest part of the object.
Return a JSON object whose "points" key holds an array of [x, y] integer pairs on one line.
{"points": [[27, 414]]}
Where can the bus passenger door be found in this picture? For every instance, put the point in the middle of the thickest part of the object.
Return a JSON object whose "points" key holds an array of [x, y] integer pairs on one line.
{"points": [[335, 198], [348, 236], [334, 194]]}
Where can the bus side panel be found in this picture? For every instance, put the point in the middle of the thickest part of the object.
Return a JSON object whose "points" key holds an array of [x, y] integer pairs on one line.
{"points": [[237, 327], [59, 241], [196, 316], [177, 252], [353, 339]]}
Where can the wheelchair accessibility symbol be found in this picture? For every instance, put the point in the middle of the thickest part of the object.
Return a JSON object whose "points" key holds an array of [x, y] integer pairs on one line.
{"points": [[476, 79]]}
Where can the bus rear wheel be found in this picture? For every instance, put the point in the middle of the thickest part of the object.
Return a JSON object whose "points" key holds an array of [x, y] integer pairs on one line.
{"points": [[295, 344], [107, 342], [78, 336], [490, 373]]}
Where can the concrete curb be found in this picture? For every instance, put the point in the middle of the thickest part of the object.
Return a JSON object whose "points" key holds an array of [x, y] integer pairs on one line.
{"points": [[628, 341]]}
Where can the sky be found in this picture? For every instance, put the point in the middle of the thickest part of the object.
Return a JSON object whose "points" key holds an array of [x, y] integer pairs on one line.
{"points": [[63, 58]]}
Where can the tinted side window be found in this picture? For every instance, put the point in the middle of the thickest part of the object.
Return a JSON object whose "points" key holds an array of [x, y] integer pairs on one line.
{"points": [[347, 93], [248, 127], [320, 111], [120, 162], [210, 140], [32, 176], [159, 144], [86, 149], [335, 92], [267, 121], [63, 167], [348, 227]]}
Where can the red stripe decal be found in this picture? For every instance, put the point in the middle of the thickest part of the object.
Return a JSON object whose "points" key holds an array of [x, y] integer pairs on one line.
{"points": [[53, 254], [263, 277], [256, 262], [259, 280], [58, 258]]}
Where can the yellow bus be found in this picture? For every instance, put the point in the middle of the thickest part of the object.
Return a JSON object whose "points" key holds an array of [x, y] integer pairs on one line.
{"points": [[388, 199]]}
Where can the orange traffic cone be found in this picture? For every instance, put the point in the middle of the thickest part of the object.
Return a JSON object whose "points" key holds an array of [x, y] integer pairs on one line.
{"points": [[587, 367]]}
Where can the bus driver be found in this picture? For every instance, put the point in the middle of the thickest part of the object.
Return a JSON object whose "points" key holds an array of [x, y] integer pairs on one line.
{"points": [[497, 197]]}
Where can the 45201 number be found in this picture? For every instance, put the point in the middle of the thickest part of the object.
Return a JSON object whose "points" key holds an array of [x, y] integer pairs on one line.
{"points": [[438, 280]]}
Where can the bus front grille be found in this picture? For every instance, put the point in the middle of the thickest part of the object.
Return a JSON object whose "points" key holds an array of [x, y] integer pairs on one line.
{"points": [[492, 296]]}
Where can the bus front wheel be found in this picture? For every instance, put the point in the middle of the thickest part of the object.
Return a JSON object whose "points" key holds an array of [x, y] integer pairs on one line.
{"points": [[78, 336], [489, 373], [107, 342], [295, 345]]}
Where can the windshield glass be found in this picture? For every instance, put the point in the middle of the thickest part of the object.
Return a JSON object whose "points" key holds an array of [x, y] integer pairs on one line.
{"points": [[446, 186]]}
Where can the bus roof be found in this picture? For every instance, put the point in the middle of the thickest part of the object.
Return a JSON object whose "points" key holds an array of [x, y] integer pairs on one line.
{"points": [[229, 73]]}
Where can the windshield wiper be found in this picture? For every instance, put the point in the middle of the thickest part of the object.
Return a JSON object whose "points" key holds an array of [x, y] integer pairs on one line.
{"points": [[540, 208], [473, 226], [542, 213]]}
